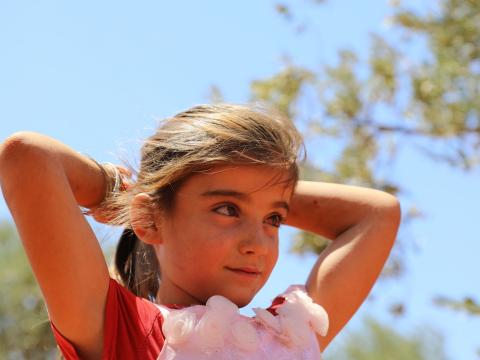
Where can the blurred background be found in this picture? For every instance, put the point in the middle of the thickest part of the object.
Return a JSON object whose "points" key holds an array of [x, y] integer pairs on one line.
{"points": [[386, 94]]}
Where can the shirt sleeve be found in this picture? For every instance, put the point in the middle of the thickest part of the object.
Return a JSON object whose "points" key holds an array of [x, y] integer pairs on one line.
{"points": [[276, 303], [280, 299], [132, 328]]}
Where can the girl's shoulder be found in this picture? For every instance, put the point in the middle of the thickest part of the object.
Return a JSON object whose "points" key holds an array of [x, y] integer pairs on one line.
{"points": [[287, 329]]}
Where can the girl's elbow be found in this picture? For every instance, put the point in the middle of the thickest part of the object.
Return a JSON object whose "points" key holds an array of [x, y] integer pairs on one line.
{"points": [[389, 208], [390, 205], [395, 208], [394, 215], [13, 144], [16, 147]]}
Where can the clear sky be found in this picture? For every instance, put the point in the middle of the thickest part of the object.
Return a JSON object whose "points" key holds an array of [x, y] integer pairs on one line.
{"points": [[96, 75]]}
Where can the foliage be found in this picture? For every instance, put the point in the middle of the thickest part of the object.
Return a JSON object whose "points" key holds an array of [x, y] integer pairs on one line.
{"points": [[24, 326], [468, 304], [381, 342], [417, 85]]}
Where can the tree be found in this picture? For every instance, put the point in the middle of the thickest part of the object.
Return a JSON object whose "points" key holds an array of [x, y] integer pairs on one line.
{"points": [[24, 325], [25, 331], [367, 107], [380, 342]]}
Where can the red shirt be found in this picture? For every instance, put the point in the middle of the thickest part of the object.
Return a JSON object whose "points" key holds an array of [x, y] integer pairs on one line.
{"points": [[132, 328]]}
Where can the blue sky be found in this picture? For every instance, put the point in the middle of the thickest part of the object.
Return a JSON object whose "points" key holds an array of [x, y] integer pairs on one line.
{"points": [[96, 75]]}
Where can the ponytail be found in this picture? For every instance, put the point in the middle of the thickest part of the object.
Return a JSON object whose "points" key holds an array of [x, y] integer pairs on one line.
{"points": [[136, 261], [137, 265]]}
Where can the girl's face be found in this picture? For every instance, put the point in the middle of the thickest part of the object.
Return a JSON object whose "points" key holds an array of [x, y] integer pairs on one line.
{"points": [[221, 237]]}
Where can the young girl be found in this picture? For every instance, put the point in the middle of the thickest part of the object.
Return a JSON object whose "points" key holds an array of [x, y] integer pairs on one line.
{"points": [[201, 227]]}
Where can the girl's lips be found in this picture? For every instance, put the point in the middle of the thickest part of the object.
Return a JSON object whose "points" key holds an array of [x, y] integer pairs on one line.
{"points": [[245, 271]]}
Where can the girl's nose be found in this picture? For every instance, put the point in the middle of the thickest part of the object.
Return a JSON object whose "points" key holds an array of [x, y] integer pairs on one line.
{"points": [[256, 241]]}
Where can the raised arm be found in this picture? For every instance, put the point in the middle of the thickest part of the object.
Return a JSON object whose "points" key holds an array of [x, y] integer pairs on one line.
{"points": [[363, 224], [43, 182]]}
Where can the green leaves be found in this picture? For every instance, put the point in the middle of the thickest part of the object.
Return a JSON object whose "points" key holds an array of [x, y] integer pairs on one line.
{"points": [[379, 342], [341, 87], [383, 81], [304, 242], [468, 304], [419, 84], [24, 326], [283, 89]]}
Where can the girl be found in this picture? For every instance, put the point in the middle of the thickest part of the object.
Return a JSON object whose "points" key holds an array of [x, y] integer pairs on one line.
{"points": [[201, 226]]}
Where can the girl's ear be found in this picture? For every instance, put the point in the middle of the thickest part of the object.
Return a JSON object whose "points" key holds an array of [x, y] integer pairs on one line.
{"points": [[143, 219]]}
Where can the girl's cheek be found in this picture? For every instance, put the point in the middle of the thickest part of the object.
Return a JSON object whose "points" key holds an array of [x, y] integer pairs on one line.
{"points": [[225, 236], [224, 222], [224, 225]]}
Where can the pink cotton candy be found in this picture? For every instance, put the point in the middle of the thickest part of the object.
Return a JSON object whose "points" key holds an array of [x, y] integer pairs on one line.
{"points": [[219, 331]]}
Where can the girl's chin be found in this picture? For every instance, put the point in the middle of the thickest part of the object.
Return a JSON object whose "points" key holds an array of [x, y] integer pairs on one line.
{"points": [[242, 299]]}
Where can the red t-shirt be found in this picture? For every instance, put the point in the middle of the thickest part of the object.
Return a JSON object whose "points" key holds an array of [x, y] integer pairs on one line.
{"points": [[133, 327], [132, 330]]}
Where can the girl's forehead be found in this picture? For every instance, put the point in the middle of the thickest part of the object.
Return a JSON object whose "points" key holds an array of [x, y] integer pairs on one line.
{"points": [[244, 178], [244, 174]]}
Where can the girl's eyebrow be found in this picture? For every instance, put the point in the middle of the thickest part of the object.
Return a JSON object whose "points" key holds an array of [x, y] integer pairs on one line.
{"points": [[241, 196]]}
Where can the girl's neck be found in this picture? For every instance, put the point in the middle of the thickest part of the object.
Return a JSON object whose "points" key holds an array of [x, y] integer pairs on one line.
{"points": [[171, 294]]}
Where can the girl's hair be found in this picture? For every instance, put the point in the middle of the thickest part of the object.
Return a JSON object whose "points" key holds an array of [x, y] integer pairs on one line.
{"points": [[190, 142]]}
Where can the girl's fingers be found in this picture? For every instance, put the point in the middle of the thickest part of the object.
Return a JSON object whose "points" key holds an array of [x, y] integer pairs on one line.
{"points": [[125, 175], [103, 215], [124, 170]]}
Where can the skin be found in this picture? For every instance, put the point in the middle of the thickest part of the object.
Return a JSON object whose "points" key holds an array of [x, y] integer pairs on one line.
{"points": [[70, 268], [205, 236]]}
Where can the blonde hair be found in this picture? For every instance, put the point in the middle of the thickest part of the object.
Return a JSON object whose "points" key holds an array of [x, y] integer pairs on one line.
{"points": [[190, 142]]}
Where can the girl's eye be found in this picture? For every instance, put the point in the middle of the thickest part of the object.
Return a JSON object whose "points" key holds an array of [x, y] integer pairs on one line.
{"points": [[232, 211], [277, 220]]}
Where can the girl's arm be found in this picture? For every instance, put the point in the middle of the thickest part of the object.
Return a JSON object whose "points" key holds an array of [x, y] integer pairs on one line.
{"points": [[43, 182], [363, 224]]}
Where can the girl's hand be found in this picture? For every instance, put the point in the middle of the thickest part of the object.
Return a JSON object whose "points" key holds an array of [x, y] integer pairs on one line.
{"points": [[105, 214]]}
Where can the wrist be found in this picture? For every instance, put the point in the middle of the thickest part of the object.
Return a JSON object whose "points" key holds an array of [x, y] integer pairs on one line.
{"points": [[111, 183]]}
